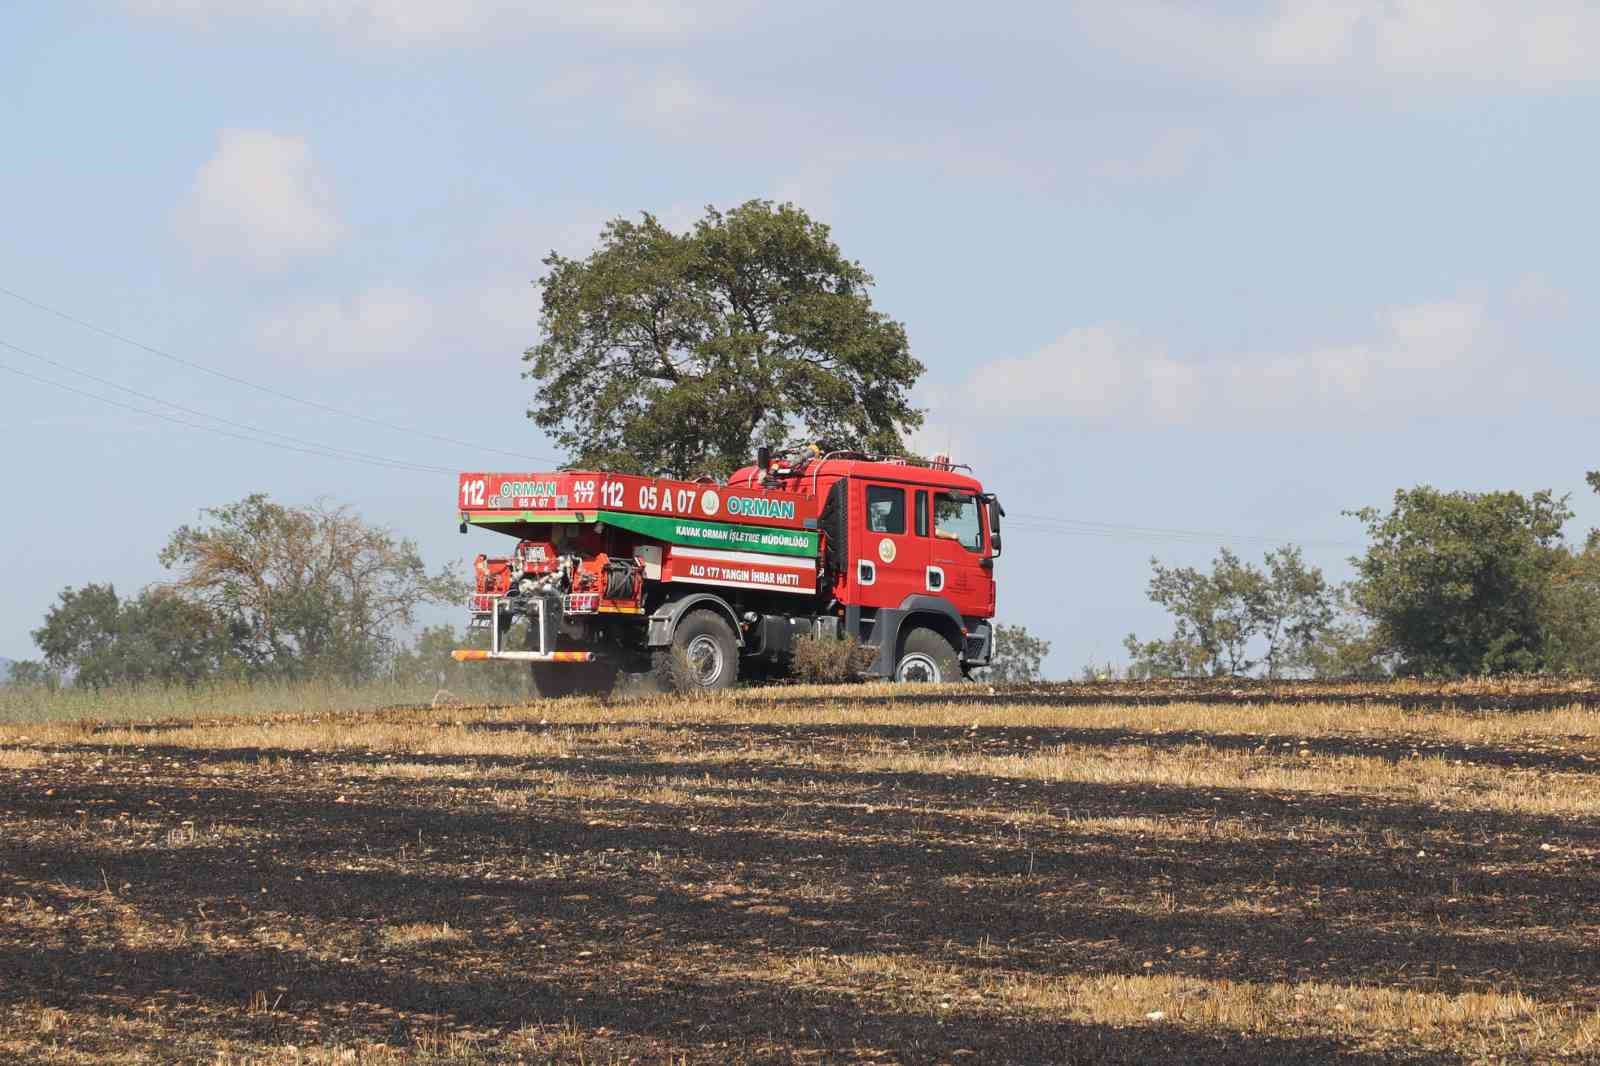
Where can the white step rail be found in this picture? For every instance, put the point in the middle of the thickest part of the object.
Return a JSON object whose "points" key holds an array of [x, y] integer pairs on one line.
{"points": [[491, 608]]}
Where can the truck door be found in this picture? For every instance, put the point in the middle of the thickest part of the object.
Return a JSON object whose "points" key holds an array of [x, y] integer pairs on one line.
{"points": [[890, 560], [956, 554]]}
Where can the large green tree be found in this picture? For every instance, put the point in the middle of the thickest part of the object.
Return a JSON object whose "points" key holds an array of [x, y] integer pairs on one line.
{"points": [[1461, 582], [678, 353]]}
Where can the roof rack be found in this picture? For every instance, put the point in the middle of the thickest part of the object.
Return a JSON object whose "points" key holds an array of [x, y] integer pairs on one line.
{"points": [[929, 463], [814, 466]]}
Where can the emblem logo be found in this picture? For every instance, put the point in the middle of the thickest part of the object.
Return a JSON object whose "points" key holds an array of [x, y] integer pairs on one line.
{"points": [[708, 502], [886, 550]]}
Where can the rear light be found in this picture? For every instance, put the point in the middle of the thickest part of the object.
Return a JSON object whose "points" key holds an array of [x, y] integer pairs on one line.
{"points": [[581, 603]]}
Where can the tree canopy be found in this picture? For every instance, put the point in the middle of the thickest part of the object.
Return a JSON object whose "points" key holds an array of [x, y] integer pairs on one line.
{"points": [[304, 590], [262, 590], [1461, 582], [679, 353], [100, 639], [1018, 655], [1451, 584], [1235, 618]]}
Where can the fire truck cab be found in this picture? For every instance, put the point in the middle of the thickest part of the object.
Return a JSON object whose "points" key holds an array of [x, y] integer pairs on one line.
{"points": [[909, 547]]}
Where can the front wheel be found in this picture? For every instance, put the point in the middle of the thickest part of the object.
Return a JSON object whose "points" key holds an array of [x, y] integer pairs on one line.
{"points": [[926, 658], [704, 656]]}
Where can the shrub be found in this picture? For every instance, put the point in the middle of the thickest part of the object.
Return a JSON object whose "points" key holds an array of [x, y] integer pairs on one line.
{"points": [[829, 660]]}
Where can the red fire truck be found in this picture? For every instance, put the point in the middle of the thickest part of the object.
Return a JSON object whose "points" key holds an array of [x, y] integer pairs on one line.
{"points": [[708, 581]]}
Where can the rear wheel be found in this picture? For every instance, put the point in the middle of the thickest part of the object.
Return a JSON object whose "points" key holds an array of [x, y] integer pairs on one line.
{"points": [[704, 656], [926, 658]]}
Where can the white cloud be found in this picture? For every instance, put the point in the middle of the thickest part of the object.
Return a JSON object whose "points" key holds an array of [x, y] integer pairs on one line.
{"points": [[375, 325], [1446, 350], [1530, 43], [1432, 336], [1088, 373], [1537, 295], [484, 322], [814, 185], [1310, 34], [260, 197], [938, 437], [669, 101], [672, 102], [1170, 155], [445, 21]]}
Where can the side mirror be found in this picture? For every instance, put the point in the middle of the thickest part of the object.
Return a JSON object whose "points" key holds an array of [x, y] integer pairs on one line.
{"points": [[995, 513]]}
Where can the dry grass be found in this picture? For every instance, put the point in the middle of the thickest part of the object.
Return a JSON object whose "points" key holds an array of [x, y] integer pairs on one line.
{"points": [[14, 759], [806, 874], [219, 699], [1292, 768], [1373, 1017], [417, 933], [400, 727], [227, 699]]}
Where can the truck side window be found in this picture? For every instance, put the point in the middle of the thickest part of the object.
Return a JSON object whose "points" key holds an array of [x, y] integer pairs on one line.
{"points": [[956, 518], [886, 509], [922, 513]]}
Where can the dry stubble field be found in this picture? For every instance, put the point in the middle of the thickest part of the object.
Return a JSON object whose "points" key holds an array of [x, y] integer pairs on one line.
{"points": [[860, 874]]}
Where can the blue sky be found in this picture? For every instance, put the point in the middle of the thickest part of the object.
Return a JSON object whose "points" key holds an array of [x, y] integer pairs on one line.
{"points": [[1228, 270]]}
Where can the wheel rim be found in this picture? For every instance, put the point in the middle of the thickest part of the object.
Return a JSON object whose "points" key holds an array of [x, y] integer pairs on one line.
{"points": [[705, 660], [918, 668]]}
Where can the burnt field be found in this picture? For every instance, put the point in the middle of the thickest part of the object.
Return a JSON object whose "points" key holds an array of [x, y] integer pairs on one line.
{"points": [[1185, 873]]}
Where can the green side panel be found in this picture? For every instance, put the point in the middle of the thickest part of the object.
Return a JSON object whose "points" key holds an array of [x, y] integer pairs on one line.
{"points": [[796, 542], [489, 519]]}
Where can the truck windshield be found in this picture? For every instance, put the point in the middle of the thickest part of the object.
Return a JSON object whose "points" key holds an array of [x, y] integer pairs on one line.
{"points": [[956, 518]]}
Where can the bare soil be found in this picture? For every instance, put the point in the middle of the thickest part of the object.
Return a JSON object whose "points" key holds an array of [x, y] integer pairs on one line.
{"points": [[850, 875]]}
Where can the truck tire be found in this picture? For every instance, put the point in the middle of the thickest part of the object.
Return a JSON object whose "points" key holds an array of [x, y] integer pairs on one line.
{"points": [[703, 657], [926, 658]]}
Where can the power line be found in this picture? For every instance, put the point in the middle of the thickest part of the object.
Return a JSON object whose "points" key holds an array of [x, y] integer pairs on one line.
{"points": [[210, 429], [318, 445], [1037, 523], [1192, 536], [1046, 523], [267, 389], [1089, 528]]}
